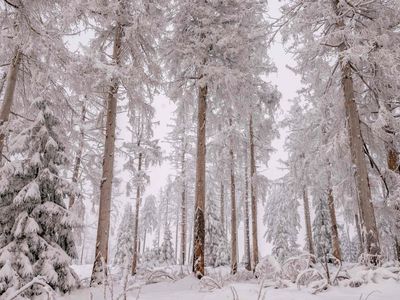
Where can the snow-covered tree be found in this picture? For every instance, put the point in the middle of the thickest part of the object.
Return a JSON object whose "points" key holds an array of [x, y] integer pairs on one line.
{"points": [[216, 249], [124, 246], [148, 217], [282, 220], [35, 225], [350, 45], [129, 31], [167, 249], [215, 50], [321, 229]]}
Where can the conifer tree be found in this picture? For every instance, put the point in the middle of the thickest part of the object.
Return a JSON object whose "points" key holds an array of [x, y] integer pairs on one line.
{"points": [[167, 249], [35, 225], [148, 217], [216, 250], [124, 246], [321, 229]]}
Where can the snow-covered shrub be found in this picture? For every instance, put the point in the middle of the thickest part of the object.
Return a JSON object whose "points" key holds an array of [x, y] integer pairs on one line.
{"points": [[293, 266], [268, 268], [35, 226]]}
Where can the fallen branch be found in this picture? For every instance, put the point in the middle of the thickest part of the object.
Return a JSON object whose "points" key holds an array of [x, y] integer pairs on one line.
{"points": [[210, 283], [159, 274]]}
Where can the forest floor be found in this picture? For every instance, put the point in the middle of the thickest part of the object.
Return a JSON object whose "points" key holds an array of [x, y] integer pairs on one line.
{"points": [[190, 288]]}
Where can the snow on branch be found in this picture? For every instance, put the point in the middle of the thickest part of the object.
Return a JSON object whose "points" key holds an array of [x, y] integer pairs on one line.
{"points": [[40, 280]]}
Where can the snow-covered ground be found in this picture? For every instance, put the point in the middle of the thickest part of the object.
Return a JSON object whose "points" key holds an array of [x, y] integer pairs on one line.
{"points": [[191, 289]]}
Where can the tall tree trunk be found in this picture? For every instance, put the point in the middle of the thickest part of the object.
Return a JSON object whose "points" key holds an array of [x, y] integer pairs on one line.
{"points": [[103, 228], [393, 165], [253, 193], [136, 228], [358, 229], [222, 206], [307, 219], [183, 211], [144, 240], [78, 157], [176, 234], [8, 100], [190, 252], [200, 195], [367, 214], [2, 81], [234, 254], [82, 248], [334, 228], [247, 262]]}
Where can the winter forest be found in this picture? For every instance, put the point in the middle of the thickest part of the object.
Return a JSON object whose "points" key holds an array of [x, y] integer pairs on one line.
{"points": [[199, 149]]}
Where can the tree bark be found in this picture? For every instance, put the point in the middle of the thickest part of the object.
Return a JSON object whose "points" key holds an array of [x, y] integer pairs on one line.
{"points": [[222, 206], [176, 233], [183, 210], [368, 222], [8, 100], [78, 157], [307, 219], [2, 82], [367, 215], [247, 262], [144, 240], [253, 191], [136, 227], [234, 253], [358, 228], [393, 165], [199, 221], [103, 228], [334, 228]]}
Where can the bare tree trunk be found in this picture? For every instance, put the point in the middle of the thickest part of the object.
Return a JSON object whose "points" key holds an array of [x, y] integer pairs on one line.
{"points": [[358, 228], [393, 165], [2, 81], [234, 254], [334, 228], [246, 231], [144, 240], [253, 192], [136, 228], [103, 228], [78, 157], [8, 100], [307, 218], [190, 252], [222, 206], [199, 221], [183, 211], [368, 222], [83, 248], [176, 234], [367, 215]]}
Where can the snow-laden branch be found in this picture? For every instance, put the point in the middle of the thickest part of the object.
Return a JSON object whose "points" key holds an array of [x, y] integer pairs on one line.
{"points": [[37, 280]]}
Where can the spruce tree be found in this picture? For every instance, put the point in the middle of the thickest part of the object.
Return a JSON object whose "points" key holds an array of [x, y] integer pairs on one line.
{"points": [[217, 252], [124, 253], [167, 250], [35, 226], [321, 231]]}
